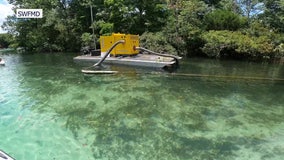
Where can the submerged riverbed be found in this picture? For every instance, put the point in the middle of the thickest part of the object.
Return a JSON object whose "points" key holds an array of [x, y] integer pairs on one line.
{"points": [[50, 110]]}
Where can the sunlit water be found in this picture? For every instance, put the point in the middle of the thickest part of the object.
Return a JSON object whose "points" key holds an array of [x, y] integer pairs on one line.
{"points": [[50, 110]]}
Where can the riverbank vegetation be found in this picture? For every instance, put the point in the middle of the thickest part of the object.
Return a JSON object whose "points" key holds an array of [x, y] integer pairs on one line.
{"points": [[6, 40], [242, 29]]}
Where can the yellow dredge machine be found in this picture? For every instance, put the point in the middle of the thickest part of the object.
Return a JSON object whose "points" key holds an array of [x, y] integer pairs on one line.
{"points": [[126, 48]]}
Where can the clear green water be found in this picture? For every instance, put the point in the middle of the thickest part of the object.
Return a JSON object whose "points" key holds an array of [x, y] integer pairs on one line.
{"points": [[49, 110]]}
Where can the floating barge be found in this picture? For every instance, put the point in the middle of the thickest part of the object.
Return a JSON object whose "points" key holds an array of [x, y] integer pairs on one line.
{"points": [[143, 60], [123, 49]]}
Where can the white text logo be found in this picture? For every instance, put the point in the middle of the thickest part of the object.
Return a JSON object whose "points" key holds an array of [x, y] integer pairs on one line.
{"points": [[29, 13]]}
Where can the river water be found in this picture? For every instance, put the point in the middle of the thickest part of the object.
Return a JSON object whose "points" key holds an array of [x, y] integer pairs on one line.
{"points": [[207, 109]]}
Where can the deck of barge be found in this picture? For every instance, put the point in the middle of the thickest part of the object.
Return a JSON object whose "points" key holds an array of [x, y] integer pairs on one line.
{"points": [[145, 60]]}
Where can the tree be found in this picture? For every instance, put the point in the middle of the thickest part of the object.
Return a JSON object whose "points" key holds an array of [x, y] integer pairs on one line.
{"points": [[59, 30], [224, 20], [185, 25], [273, 15], [134, 16], [251, 8]]}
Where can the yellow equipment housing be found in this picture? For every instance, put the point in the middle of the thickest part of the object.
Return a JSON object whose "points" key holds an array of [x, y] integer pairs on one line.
{"points": [[127, 48]]}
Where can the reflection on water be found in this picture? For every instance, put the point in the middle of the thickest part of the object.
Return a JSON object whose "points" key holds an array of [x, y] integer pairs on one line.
{"points": [[141, 113]]}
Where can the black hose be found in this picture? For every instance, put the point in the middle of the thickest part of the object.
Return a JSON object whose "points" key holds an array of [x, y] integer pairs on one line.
{"points": [[108, 52], [159, 54]]}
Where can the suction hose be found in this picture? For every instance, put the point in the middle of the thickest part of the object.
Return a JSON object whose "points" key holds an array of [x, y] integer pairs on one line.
{"points": [[159, 54], [108, 52]]}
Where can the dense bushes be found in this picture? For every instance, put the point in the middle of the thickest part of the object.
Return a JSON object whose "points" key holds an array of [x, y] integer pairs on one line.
{"points": [[6, 40], [243, 44], [196, 29], [237, 44], [157, 42]]}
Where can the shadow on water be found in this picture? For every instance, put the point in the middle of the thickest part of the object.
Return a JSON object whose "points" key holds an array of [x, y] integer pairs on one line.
{"points": [[140, 114]]}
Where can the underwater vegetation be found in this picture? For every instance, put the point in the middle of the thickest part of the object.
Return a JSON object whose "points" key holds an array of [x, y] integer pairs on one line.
{"points": [[161, 116], [153, 119]]}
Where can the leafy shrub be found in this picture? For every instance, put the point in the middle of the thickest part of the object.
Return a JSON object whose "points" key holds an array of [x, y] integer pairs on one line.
{"points": [[86, 39], [156, 42], [237, 44], [105, 28], [6, 40]]}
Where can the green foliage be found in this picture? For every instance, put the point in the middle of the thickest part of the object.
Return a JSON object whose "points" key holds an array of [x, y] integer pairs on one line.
{"points": [[104, 28], [59, 30], [134, 16], [230, 5], [157, 42], [273, 15], [185, 26], [237, 44], [224, 20], [87, 39], [6, 40], [241, 28], [64, 22]]}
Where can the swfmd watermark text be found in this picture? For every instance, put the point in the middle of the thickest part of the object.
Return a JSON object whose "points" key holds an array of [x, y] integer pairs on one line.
{"points": [[29, 13]]}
